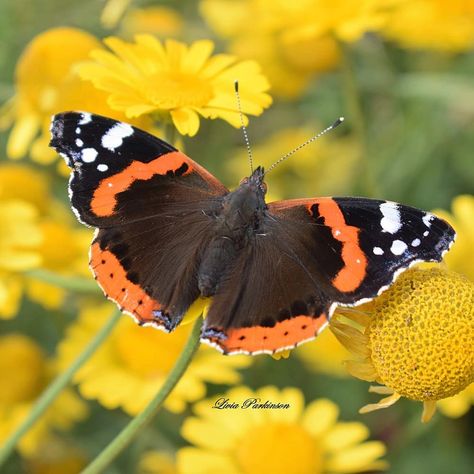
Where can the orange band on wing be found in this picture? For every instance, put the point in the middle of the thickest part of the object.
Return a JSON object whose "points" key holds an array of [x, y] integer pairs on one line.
{"points": [[105, 196], [355, 262], [285, 334], [113, 280]]}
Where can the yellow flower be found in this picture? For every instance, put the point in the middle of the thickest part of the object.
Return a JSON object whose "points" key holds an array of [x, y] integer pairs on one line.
{"points": [[417, 341], [20, 239], [130, 367], [459, 404], [160, 21], [175, 81], [433, 24], [286, 441], [294, 41], [46, 83], [24, 372], [113, 11], [157, 462], [461, 257]]}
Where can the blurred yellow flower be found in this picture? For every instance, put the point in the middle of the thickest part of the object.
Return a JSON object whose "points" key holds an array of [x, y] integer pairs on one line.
{"points": [[157, 462], [24, 372], [459, 404], [294, 41], [160, 21], [20, 239], [433, 24], [411, 346], [326, 167], [37, 231], [461, 256], [176, 82], [47, 83], [113, 12], [277, 441], [130, 367]]}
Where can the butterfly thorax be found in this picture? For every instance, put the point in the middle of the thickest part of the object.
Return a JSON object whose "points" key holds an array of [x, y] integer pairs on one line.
{"points": [[238, 221]]}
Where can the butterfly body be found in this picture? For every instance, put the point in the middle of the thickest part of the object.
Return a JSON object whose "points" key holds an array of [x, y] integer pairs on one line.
{"points": [[169, 233]]}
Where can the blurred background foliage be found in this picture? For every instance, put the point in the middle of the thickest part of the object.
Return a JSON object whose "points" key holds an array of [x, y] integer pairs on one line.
{"points": [[408, 137]]}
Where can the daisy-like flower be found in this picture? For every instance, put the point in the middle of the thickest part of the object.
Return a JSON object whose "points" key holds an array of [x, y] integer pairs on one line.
{"points": [[24, 372], [461, 258], [416, 339], [46, 83], [176, 82], [132, 364], [34, 227], [433, 24], [295, 439]]}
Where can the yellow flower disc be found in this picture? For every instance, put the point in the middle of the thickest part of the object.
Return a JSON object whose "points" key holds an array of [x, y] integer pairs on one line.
{"points": [[22, 369], [421, 334]]}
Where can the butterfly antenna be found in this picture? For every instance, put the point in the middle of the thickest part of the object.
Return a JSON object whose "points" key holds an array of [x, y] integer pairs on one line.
{"points": [[242, 126], [307, 142]]}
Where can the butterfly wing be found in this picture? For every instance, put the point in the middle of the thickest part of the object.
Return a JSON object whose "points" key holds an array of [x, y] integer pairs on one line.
{"points": [[311, 255], [151, 205]]}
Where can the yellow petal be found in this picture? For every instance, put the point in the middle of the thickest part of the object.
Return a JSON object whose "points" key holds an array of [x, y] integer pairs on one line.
{"points": [[199, 461], [186, 121], [384, 403], [344, 435], [320, 416], [429, 409], [22, 135], [356, 459]]}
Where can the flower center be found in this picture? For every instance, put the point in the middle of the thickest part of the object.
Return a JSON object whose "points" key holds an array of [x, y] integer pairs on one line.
{"points": [[421, 334], [279, 448], [22, 369], [148, 351], [174, 89]]}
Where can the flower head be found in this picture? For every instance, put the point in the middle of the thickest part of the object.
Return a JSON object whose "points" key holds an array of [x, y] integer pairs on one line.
{"points": [[176, 81], [460, 258], [418, 339], [25, 371], [288, 440], [433, 24], [135, 361]]}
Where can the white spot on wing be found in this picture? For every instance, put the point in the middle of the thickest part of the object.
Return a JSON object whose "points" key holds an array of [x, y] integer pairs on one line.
{"points": [[425, 233], [427, 218], [114, 136], [78, 130], [102, 167], [416, 242], [79, 142], [391, 217], [85, 118], [337, 233], [88, 155], [378, 251], [398, 247]]}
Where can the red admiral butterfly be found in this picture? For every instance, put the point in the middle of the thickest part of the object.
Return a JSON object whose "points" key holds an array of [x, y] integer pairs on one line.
{"points": [[168, 233]]}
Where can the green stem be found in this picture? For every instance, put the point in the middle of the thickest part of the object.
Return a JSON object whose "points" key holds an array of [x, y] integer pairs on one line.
{"points": [[121, 441], [71, 283], [53, 390], [357, 117]]}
